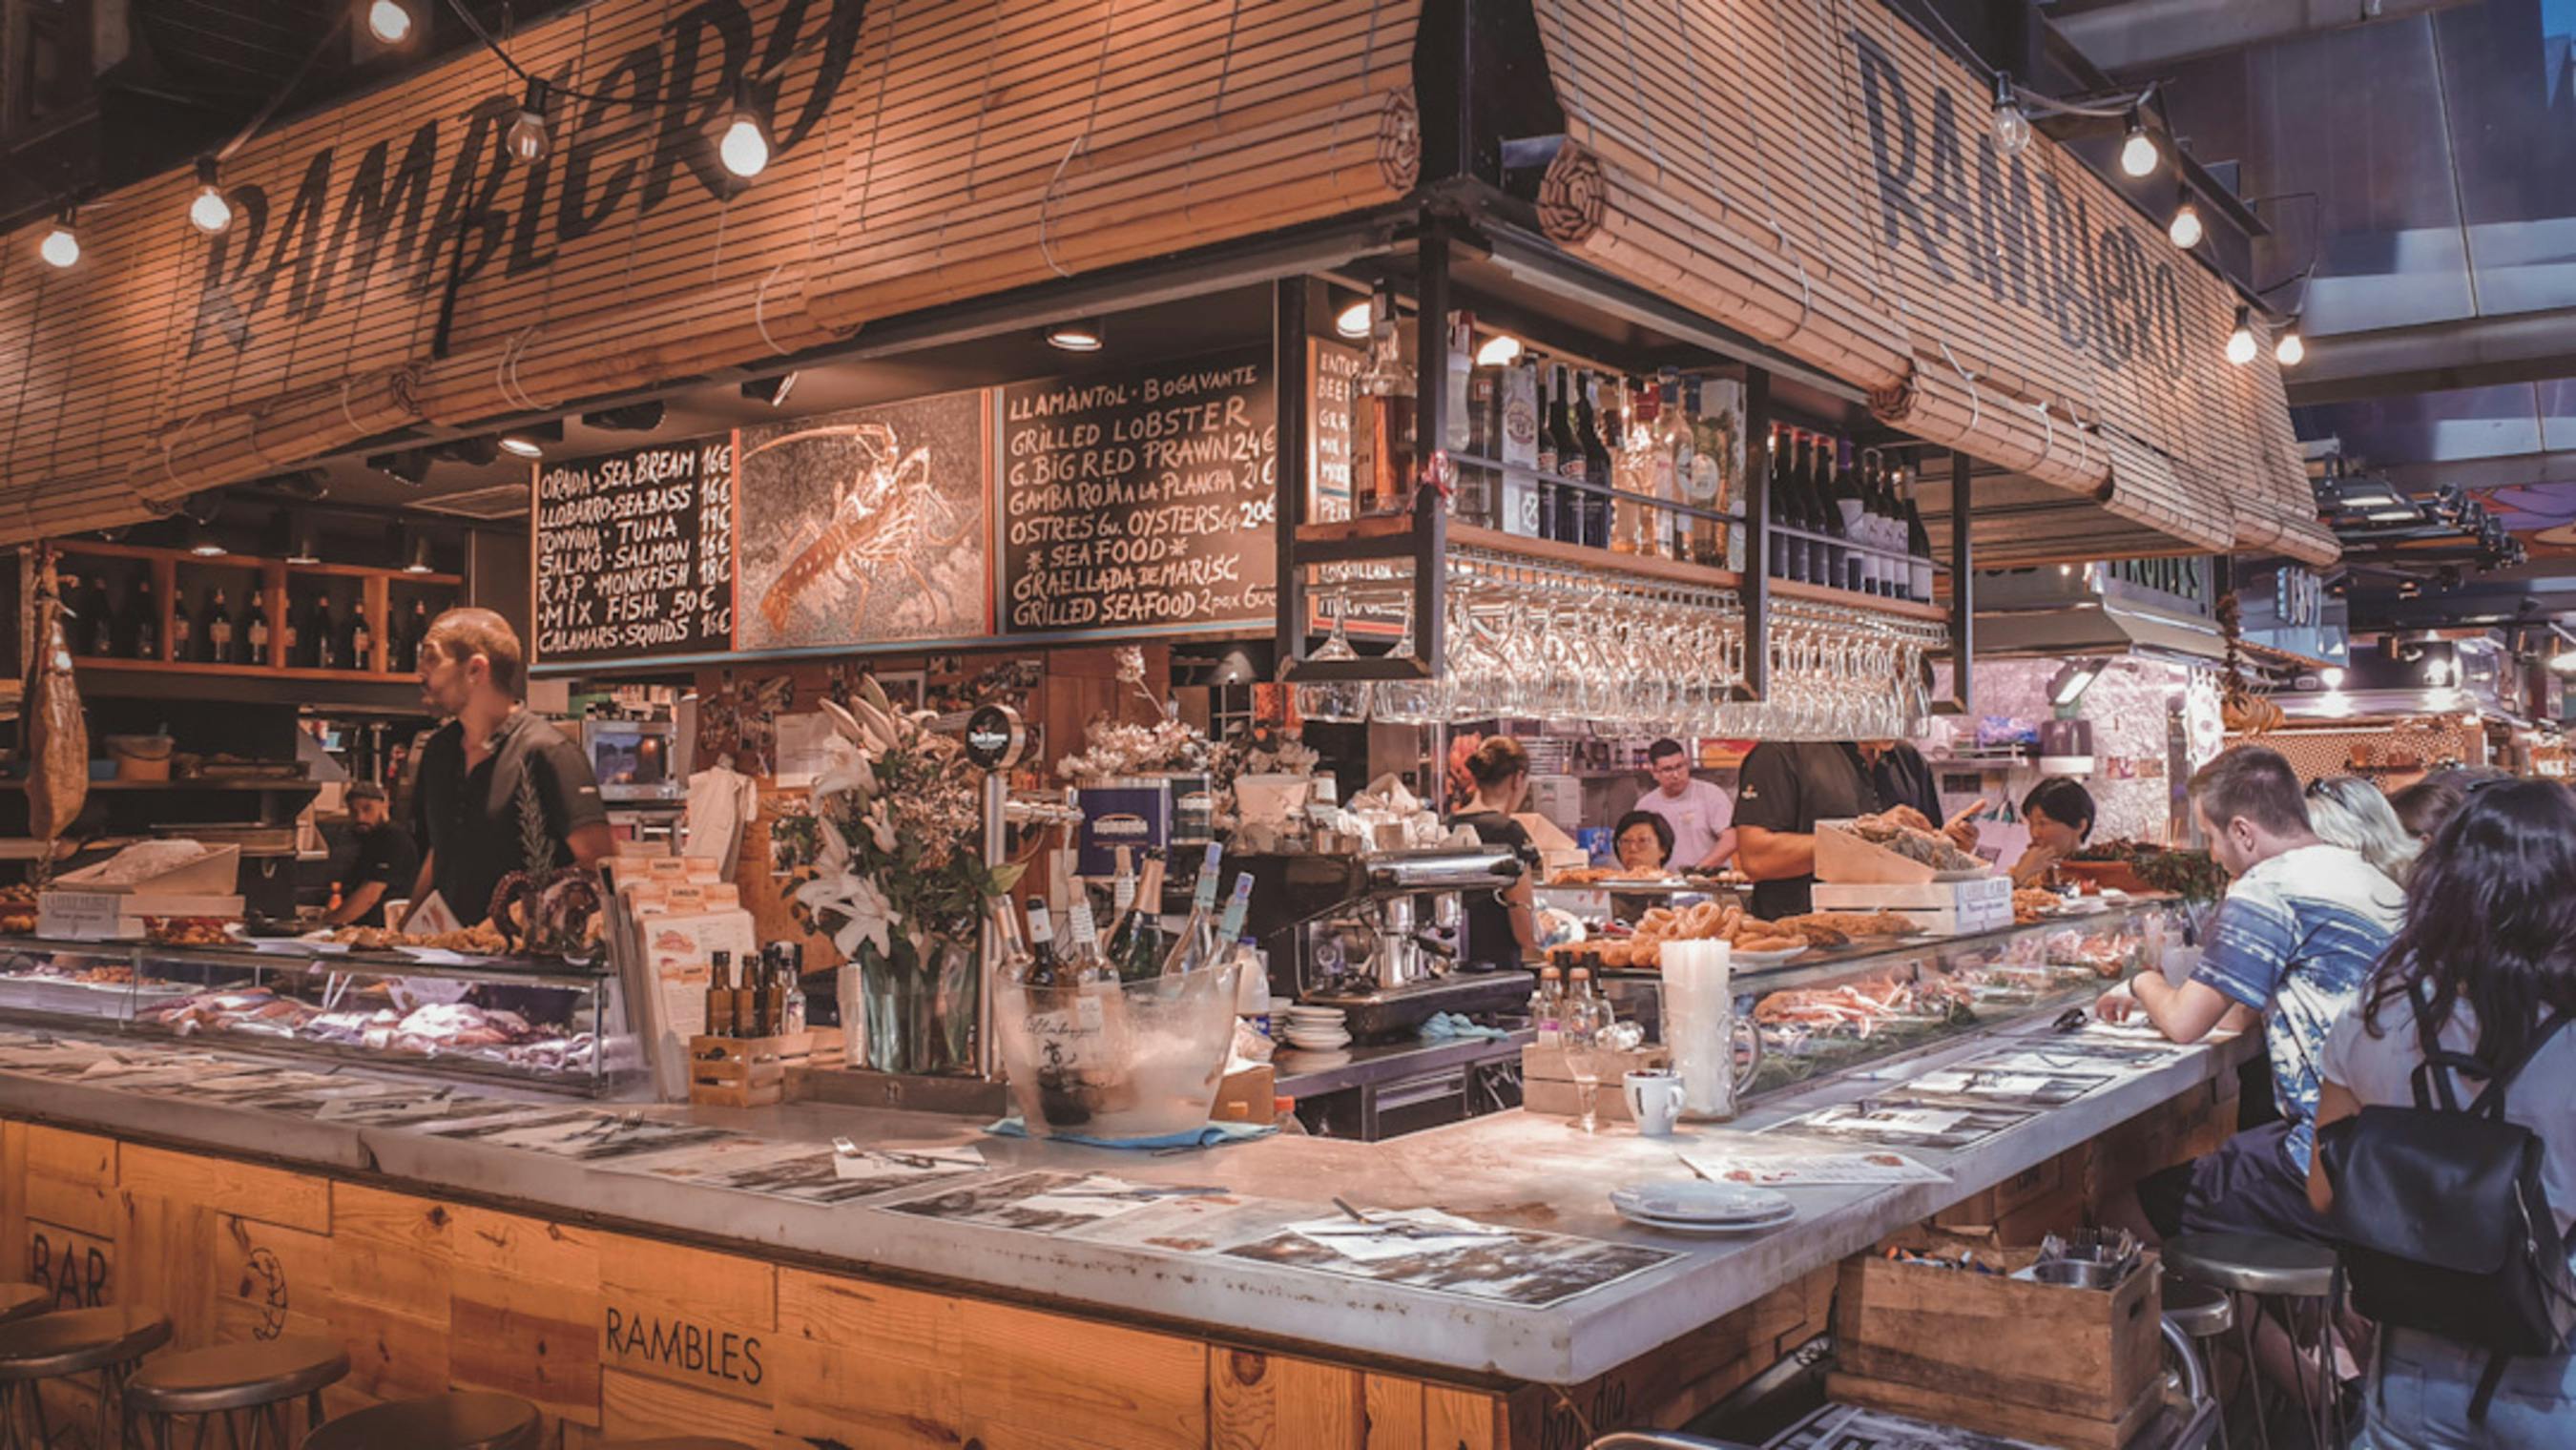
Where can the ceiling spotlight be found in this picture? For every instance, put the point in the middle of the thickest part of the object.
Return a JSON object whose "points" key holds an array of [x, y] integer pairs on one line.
{"points": [[2071, 681], [2138, 154], [1083, 334], [203, 544], [416, 558], [409, 465], [2289, 352], [2185, 230], [209, 212], [772, 391], [391, 22], [741, 136], [61, 245], [531, 441], [527, 138], [1353, 321], [1500, 351], [2012, 123], [641, 417], [2240, 343]]}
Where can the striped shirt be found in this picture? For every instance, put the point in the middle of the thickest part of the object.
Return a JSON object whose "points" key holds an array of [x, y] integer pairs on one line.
{"points": [[2295, 937]]}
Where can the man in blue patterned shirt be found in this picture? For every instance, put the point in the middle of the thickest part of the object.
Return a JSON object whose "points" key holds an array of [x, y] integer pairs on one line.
{"points": [[2302, 925]]}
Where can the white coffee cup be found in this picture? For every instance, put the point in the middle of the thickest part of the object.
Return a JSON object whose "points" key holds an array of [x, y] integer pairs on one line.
{"points": [[1654, 1100]]}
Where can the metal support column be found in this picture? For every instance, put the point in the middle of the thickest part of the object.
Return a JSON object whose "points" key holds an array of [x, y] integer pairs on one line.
{"points": [[1288, 366], [1963, 594], [1757, 536], [1431, 430]]}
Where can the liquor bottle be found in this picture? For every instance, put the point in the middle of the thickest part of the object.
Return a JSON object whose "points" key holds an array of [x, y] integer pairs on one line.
{"points": [[1918, 548], [773, 989], [720, 994], [321, 636], [1570, 458], [1642, 445], [250, 631], [1045, 969], [362, 642], [1668, 531], [1469, 426], [746, 1002], [1136, 946], [1596, 463], [791, 958], [1198, 944], [183, 628], [1694, 472], [218, 630], [1525, 500], [1382, 406]]}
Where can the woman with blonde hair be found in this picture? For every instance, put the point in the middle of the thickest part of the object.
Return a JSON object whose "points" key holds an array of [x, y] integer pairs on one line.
{"points": [[2347, 811]]}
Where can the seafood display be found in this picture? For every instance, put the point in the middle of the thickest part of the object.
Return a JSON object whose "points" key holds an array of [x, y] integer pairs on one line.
{"points": [[1930, 848], [1708, 921], [430, 1029], [1862, 1009], [481, 939], [187, 931]]}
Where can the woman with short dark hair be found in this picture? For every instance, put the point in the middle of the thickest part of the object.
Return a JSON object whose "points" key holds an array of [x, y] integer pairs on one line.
{"points": [[2060, 813]]}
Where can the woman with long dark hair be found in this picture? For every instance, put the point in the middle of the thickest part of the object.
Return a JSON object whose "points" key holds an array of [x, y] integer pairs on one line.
{"points": [[2490, 941]]}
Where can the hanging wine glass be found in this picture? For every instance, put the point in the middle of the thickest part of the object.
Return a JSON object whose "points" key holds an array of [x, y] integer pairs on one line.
{"points": [[1334, 701]]}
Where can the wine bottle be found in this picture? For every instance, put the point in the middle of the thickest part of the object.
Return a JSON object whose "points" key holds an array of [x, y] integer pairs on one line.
{"points": [[183, 628], [1918, 548], [1597, 468], [1083, 958], [1788, 549], [1198, 943], [322, 636], [1526, 500], [1854, 512], [218, 630], [1136, 946], [1236, 908], [1045, 969], [250, 632], [362, 643], [1010, 944], [1822, 516], [98, 620], [1477, 427], [1889, 516]]}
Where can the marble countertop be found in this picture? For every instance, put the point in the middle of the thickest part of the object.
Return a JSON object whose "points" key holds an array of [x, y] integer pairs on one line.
{"points": [[1513, 1169]]}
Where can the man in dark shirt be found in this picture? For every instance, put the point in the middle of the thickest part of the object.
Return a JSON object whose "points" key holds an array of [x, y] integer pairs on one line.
{"points": [[475, 769], [384, 860], [1785, 787]]}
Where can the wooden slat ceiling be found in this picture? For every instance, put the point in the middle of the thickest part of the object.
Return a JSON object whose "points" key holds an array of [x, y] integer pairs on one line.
{"points": [[1821, 176], [925, 152]]}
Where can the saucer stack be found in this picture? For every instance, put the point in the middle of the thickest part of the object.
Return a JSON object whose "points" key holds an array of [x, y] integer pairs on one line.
{"points": [[1317, 1029], [1702, 1208]]}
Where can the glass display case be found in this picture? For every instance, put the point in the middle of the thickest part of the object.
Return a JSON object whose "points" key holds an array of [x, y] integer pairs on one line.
{"points": [[1831, 1009], [546, 1025]]}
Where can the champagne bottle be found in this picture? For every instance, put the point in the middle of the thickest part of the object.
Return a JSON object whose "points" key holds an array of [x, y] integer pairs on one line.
{"points": [[1198, 943], [1136, 946]]}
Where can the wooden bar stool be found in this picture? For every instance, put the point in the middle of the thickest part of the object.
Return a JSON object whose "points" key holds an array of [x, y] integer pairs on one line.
{"points": [[456, 1421], [55, 1346], [258, 1381], [23, 1301]]}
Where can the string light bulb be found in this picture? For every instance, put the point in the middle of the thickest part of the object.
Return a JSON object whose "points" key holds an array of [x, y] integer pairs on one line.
{"points": [[2240, 343], [742, 137], [2138, 154], [1500, 351], [61, 245], [209, 212], [2290, 351], [2012, 123], [2185, 230], [527, 137], [391, 21]]}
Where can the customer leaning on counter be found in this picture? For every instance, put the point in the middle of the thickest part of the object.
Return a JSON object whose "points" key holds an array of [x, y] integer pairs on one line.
{"points": [[2059, 812], [473, 769], [1787, 786]]}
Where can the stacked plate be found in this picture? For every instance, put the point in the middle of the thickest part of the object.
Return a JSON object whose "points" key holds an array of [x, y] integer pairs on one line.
{"points": [[1317, 1029], [1702, 1208]]}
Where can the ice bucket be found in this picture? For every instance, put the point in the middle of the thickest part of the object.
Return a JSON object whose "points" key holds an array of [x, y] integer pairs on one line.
{"points": [[1117, 1059]]}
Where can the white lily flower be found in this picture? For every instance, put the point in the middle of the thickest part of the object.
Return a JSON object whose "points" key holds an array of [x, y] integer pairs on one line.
{"points": [[871, 920]]}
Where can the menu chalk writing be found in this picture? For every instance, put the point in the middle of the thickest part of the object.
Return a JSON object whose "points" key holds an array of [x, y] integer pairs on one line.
{"points": [[1141, 499], [635, 552]]}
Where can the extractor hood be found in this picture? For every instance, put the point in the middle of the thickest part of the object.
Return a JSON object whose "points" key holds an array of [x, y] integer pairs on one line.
{"points": [[2060, 611]]}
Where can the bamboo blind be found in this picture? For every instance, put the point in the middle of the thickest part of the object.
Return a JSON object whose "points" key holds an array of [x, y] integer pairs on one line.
{"points": [[1729, 153], [963, 148]]}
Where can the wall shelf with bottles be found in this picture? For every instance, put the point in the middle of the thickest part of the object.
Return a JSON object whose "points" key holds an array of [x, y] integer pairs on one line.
{"points": [[177, 612]]}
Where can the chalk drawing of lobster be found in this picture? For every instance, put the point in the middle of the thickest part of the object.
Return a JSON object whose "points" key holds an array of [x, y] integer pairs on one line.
{"points": [[886, 515]]}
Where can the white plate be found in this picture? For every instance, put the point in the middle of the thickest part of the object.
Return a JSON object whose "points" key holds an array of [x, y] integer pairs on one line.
{"points": [[1319, 1044], [1700, 1201], [1766, 959], [1686, 1226]]}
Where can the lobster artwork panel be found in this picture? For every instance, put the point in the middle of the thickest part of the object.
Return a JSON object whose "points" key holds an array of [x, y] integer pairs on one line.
{"points": [[865, 527]]}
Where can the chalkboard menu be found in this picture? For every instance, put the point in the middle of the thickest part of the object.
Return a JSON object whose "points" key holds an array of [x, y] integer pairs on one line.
{"points": [[634, 552], [1141, 499]]}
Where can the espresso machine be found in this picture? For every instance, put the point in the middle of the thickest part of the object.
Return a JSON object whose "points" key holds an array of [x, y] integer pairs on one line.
{"points": [[1376, 933]]}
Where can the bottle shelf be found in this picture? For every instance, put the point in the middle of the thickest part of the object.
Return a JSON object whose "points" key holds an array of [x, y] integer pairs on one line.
{"points": [[277, 581]]}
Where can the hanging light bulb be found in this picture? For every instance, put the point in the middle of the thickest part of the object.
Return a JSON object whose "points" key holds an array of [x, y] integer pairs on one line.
{"points": [[2289, 352], [527, 136], [391, 21], [2185, 230], [2240, 343], [1500, 351], [1353, 321], [2138, 154], [2012, 123], [61, 245], [741, 135], [209, 212]]}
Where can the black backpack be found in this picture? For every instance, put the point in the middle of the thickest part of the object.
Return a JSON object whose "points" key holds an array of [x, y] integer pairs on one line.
{"points": [[2443, 1221]]}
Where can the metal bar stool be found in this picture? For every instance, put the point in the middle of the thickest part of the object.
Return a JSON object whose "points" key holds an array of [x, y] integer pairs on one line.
{"points": [[79, 1341], [258, 1381], [2265, 1267], [2197, 1316], [455, 1421]]}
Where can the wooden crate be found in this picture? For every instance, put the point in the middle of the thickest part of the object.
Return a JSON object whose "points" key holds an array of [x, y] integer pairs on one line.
{"points": [[746, 1072], [1547, 1084], [2058, 1366]]}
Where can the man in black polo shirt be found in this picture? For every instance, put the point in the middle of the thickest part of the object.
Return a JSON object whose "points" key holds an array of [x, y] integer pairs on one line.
{"points": [[472, 771], [383, 859], [1785, 787]]}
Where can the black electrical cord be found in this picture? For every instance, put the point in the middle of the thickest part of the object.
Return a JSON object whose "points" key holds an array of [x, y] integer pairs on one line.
{"points": [[596, 98]]}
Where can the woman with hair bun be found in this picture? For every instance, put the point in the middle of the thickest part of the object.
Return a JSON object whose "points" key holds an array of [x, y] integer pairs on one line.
{"points": [[1501, 928]]}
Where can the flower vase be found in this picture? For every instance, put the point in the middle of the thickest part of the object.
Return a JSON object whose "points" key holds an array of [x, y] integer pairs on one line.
{"points": [[918, 1006]]}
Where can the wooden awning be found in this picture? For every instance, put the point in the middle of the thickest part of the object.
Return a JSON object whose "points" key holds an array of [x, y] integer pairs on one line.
{"points": [[1819, 175], [922, 153]]}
